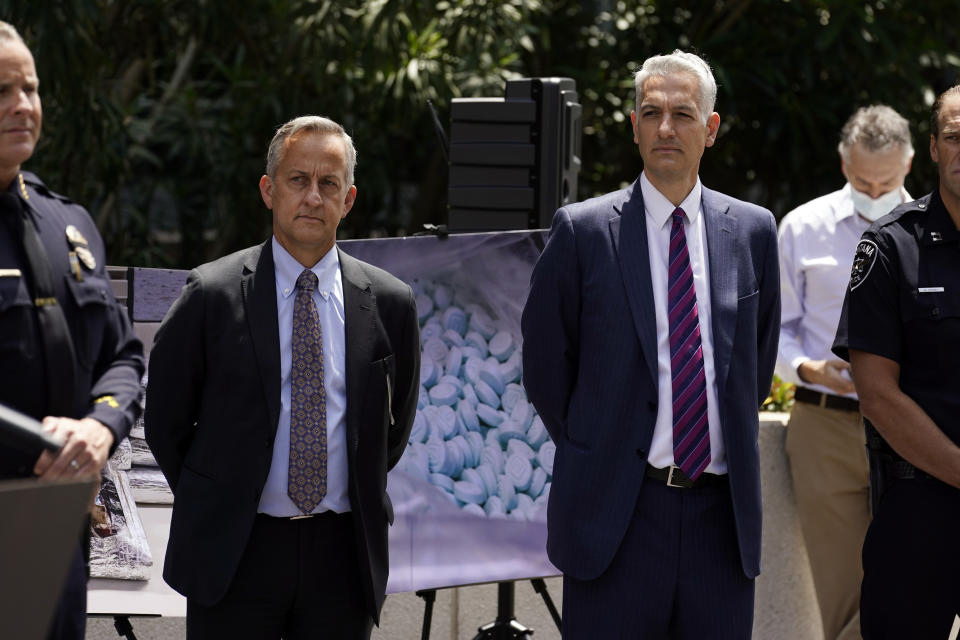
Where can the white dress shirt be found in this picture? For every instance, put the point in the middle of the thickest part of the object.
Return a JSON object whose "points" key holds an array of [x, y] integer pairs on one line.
{"points": [[659, 218], [329, 300], [817, 242]]}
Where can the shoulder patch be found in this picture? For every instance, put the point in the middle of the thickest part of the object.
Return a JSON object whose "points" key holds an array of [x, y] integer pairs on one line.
{"points": [[863, 262]]}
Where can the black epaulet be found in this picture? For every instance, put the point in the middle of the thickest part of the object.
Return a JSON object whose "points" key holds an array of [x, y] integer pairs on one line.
{"points": [[920, 206], [38, 185]]}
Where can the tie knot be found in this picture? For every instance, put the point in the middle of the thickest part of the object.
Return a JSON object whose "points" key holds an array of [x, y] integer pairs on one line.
{"points": [[307, 281], [678, 215]]}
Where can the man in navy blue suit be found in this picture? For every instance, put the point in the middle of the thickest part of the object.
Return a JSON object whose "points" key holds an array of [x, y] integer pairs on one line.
{"points": [[650, 336]]}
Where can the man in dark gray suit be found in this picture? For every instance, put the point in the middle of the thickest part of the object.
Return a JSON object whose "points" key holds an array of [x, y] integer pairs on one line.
{"points": [[650, 336], [283, 385]]}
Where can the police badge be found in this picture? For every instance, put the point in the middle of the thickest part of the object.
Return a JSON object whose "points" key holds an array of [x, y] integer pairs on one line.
{"points": [[863, 262]]}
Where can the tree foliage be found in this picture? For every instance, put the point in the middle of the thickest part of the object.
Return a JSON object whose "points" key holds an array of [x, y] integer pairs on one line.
{"points": [[158, 112]]}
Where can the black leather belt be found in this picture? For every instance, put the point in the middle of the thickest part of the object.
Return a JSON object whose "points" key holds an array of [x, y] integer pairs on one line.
{"points": [[673, 476], [826, 400], [903, 470]]}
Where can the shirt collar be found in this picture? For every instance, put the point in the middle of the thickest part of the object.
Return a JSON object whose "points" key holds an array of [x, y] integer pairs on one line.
{"points": [[287, 270], [661, 209]]}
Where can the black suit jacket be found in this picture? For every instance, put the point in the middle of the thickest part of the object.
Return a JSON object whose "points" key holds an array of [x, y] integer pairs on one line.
{"points": [[214, 401]]}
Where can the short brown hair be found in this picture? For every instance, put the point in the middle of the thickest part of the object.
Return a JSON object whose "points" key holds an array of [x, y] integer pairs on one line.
{"points": [[937, 106]]}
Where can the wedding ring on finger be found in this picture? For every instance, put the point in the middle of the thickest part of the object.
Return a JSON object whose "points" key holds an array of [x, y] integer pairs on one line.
{"points": [[74, 465]]}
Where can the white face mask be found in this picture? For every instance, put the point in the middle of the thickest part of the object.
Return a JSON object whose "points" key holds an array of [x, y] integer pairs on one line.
{"points": [[875, 208]]}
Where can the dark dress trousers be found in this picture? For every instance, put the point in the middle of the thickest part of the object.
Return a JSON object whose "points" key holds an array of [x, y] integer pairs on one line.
{"points": [[214, 401], [590, 366]]}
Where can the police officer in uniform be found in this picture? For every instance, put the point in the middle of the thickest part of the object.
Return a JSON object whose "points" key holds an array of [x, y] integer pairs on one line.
{"points": [[68, 353], [900, 330]]}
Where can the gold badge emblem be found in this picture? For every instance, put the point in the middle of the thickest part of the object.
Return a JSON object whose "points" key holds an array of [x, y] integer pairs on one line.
{"points": [[75, 237], [86, 257]]}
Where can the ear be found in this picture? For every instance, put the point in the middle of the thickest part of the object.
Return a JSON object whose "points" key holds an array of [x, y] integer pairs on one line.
{"points": [[713, 127], [933, 149], [349, 200], [843, 167], [266, 191], [633, 123]]}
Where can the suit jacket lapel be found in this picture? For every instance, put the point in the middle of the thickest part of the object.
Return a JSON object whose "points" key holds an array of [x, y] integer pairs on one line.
{"points": [[259, 290], [360, 313], [628, 232], [722, 252]]}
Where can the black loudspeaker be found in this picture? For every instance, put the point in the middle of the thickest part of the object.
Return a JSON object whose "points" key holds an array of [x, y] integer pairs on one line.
{"points": [[514, 160]]}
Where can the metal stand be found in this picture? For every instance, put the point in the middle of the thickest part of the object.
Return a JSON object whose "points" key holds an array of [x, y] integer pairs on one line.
{"points": [[505, 627], [123, 627], [541, 587], [429, 596]]}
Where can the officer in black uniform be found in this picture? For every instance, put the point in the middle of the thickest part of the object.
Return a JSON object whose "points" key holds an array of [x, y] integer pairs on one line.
{"points": [[68, 355], [900, 330]]}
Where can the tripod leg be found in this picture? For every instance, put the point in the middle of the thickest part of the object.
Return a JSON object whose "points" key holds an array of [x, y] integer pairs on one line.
{"points": [[123, 627], [541, 587], [428, 595]]}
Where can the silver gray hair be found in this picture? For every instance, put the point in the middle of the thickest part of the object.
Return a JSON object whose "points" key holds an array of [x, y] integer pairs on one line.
{"points": [[9, 33], [877, 129], [680, 62], [314, 124]]}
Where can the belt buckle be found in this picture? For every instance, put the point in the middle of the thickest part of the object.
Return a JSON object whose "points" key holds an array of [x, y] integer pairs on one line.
{"points": [[673, 468], [303, 516]]}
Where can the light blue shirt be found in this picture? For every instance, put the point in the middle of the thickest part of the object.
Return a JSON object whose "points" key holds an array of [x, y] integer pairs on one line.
{"points": [[329, 300], [659, 219]]}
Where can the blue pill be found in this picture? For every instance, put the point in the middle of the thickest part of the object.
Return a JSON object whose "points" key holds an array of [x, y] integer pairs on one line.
{"points": [[436, 349], [493, 455], [517, 515], [492, 376], [447, 418], [474, 509], [429, 372], [470, 395], [545, 456], [537, 433], [469, 460], [471, 475], [501, 345], [453, 362], [511, 394], [493, 507], [512, 369], [454, 319], [471, 370], [455, 381], [521, 448], [507, 492], [476, 445], [520, 471], [489, 478], [522, 413], [437, 455], [510, 430], [418, 432], [455, 459], [444, 393], [468, 415], [469, 493], [430, 331], [452, 338], [524, 504], [482, 324], [424, 306], [537, 482], [492, 438], [442, 481], [423, 399], [474, 340], [487, 396], [489, 415], [442, 296]]}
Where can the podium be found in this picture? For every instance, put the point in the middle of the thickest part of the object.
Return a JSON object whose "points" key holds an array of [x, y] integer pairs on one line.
{"points": [[44, 521]]}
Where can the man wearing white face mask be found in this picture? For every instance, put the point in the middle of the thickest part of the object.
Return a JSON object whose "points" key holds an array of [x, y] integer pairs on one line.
{"points": [[825, 438]]}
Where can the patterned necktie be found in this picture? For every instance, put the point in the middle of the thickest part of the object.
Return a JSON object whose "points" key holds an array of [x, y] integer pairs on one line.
{"points": [[691, 435], [307, 472]]}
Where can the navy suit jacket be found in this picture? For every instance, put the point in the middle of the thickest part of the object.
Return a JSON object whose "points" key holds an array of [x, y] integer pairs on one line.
{"points": [[213, 401], [590, 364]]}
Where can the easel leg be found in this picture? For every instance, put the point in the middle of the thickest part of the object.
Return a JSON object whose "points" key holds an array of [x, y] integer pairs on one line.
{"points": [[123, 627], [429, 596], [541, 587]]}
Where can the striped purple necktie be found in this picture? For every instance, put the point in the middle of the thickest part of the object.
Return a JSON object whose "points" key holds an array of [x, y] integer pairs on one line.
{"points": [[691, 435], [307, 471]]}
